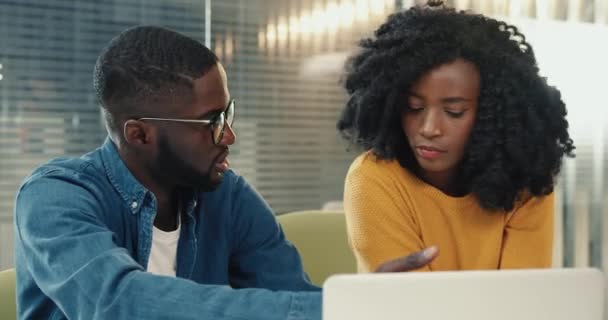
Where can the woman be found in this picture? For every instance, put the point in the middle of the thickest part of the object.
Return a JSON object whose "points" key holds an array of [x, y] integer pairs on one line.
{"points": [[463, 141]]}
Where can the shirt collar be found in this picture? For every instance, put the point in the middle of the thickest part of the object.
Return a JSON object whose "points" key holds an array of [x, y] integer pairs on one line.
{"points": [[128, 187]]}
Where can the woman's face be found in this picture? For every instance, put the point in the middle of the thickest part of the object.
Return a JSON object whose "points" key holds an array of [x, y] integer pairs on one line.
{"points": [[442, 105]]}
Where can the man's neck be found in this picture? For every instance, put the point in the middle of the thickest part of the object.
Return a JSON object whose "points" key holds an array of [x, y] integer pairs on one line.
{"points": [[166, 194], [167, 212]]}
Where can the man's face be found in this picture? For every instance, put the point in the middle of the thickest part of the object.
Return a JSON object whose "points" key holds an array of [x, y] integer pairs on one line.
{"points": [[442, 107], [186, 154]]}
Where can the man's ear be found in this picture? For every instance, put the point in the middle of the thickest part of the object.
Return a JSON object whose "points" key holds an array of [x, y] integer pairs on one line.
{"points": [[137, 133]]}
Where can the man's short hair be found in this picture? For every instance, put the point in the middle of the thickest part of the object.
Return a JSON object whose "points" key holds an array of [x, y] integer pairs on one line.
{"points": [[145, 67]]}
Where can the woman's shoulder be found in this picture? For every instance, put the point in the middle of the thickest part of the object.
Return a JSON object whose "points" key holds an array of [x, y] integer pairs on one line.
{"points": [[528, 201], [368, 166], [369, 163]]}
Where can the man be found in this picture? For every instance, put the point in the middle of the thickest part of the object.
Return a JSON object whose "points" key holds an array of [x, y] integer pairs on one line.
{"points": [[153, 224]]}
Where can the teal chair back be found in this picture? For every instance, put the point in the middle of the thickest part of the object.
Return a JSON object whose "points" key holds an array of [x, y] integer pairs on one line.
{"points": [[8, 305], [321, 240]]}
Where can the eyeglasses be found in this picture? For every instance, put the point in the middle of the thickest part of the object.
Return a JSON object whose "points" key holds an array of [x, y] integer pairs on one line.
{"points": [[217, 124]]}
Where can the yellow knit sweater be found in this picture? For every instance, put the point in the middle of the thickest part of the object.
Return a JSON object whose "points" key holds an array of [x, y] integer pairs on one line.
{"points": [[391, 213]]}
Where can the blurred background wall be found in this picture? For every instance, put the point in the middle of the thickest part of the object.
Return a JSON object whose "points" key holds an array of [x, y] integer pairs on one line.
{"points": [[284, 60]]}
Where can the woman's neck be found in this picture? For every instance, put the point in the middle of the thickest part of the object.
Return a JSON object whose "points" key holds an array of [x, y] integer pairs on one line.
{"points": [[446, 181]]}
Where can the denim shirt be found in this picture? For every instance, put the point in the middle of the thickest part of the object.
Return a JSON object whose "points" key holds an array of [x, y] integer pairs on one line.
{"points": [[83, 232]]}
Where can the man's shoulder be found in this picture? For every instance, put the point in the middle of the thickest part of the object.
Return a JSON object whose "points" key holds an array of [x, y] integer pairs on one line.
{"points": [[68, 168], [66, 185]]}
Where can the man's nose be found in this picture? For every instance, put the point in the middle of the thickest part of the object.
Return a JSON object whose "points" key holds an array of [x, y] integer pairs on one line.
{"points": [[229, 136]]}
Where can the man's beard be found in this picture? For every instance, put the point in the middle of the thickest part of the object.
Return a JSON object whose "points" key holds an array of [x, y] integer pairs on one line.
{"points": [[171, 167]]}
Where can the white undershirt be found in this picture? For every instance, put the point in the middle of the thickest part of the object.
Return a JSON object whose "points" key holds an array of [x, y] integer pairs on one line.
{"points": [[163, 255]]}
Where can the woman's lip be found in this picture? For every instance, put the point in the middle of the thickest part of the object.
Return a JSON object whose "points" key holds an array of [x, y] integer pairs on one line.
{"points": [[429, 148], [428, 153]]}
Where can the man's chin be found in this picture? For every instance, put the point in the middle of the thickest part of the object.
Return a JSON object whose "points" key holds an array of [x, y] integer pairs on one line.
{"points": [[204, 183], [207, 187], [212, 182]]}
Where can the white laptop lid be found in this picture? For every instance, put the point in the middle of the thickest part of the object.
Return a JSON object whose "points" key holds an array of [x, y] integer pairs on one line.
{"points": [[553, 294]]}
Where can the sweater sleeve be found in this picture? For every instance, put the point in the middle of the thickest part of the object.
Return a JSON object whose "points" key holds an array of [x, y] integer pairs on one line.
{"points": [[528, 236], [380, 224]]}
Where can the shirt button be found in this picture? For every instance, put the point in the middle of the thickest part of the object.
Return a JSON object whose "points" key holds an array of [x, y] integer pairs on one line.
{"points": [[134, 204]]}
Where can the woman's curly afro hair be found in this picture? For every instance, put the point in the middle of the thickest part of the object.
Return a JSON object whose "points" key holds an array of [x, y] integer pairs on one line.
{"points": [[520, 133]]}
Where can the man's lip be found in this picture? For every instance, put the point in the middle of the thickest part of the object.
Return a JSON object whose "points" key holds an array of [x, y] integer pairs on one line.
{"points": [[221, 163], [222, 156]]}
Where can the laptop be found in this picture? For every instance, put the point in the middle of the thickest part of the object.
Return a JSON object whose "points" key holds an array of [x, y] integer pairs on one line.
{"points": [[552, 294]]}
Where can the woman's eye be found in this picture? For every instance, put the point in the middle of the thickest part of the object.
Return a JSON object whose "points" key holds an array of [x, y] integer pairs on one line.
{"points": [[414, 108], [454, 114]]}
